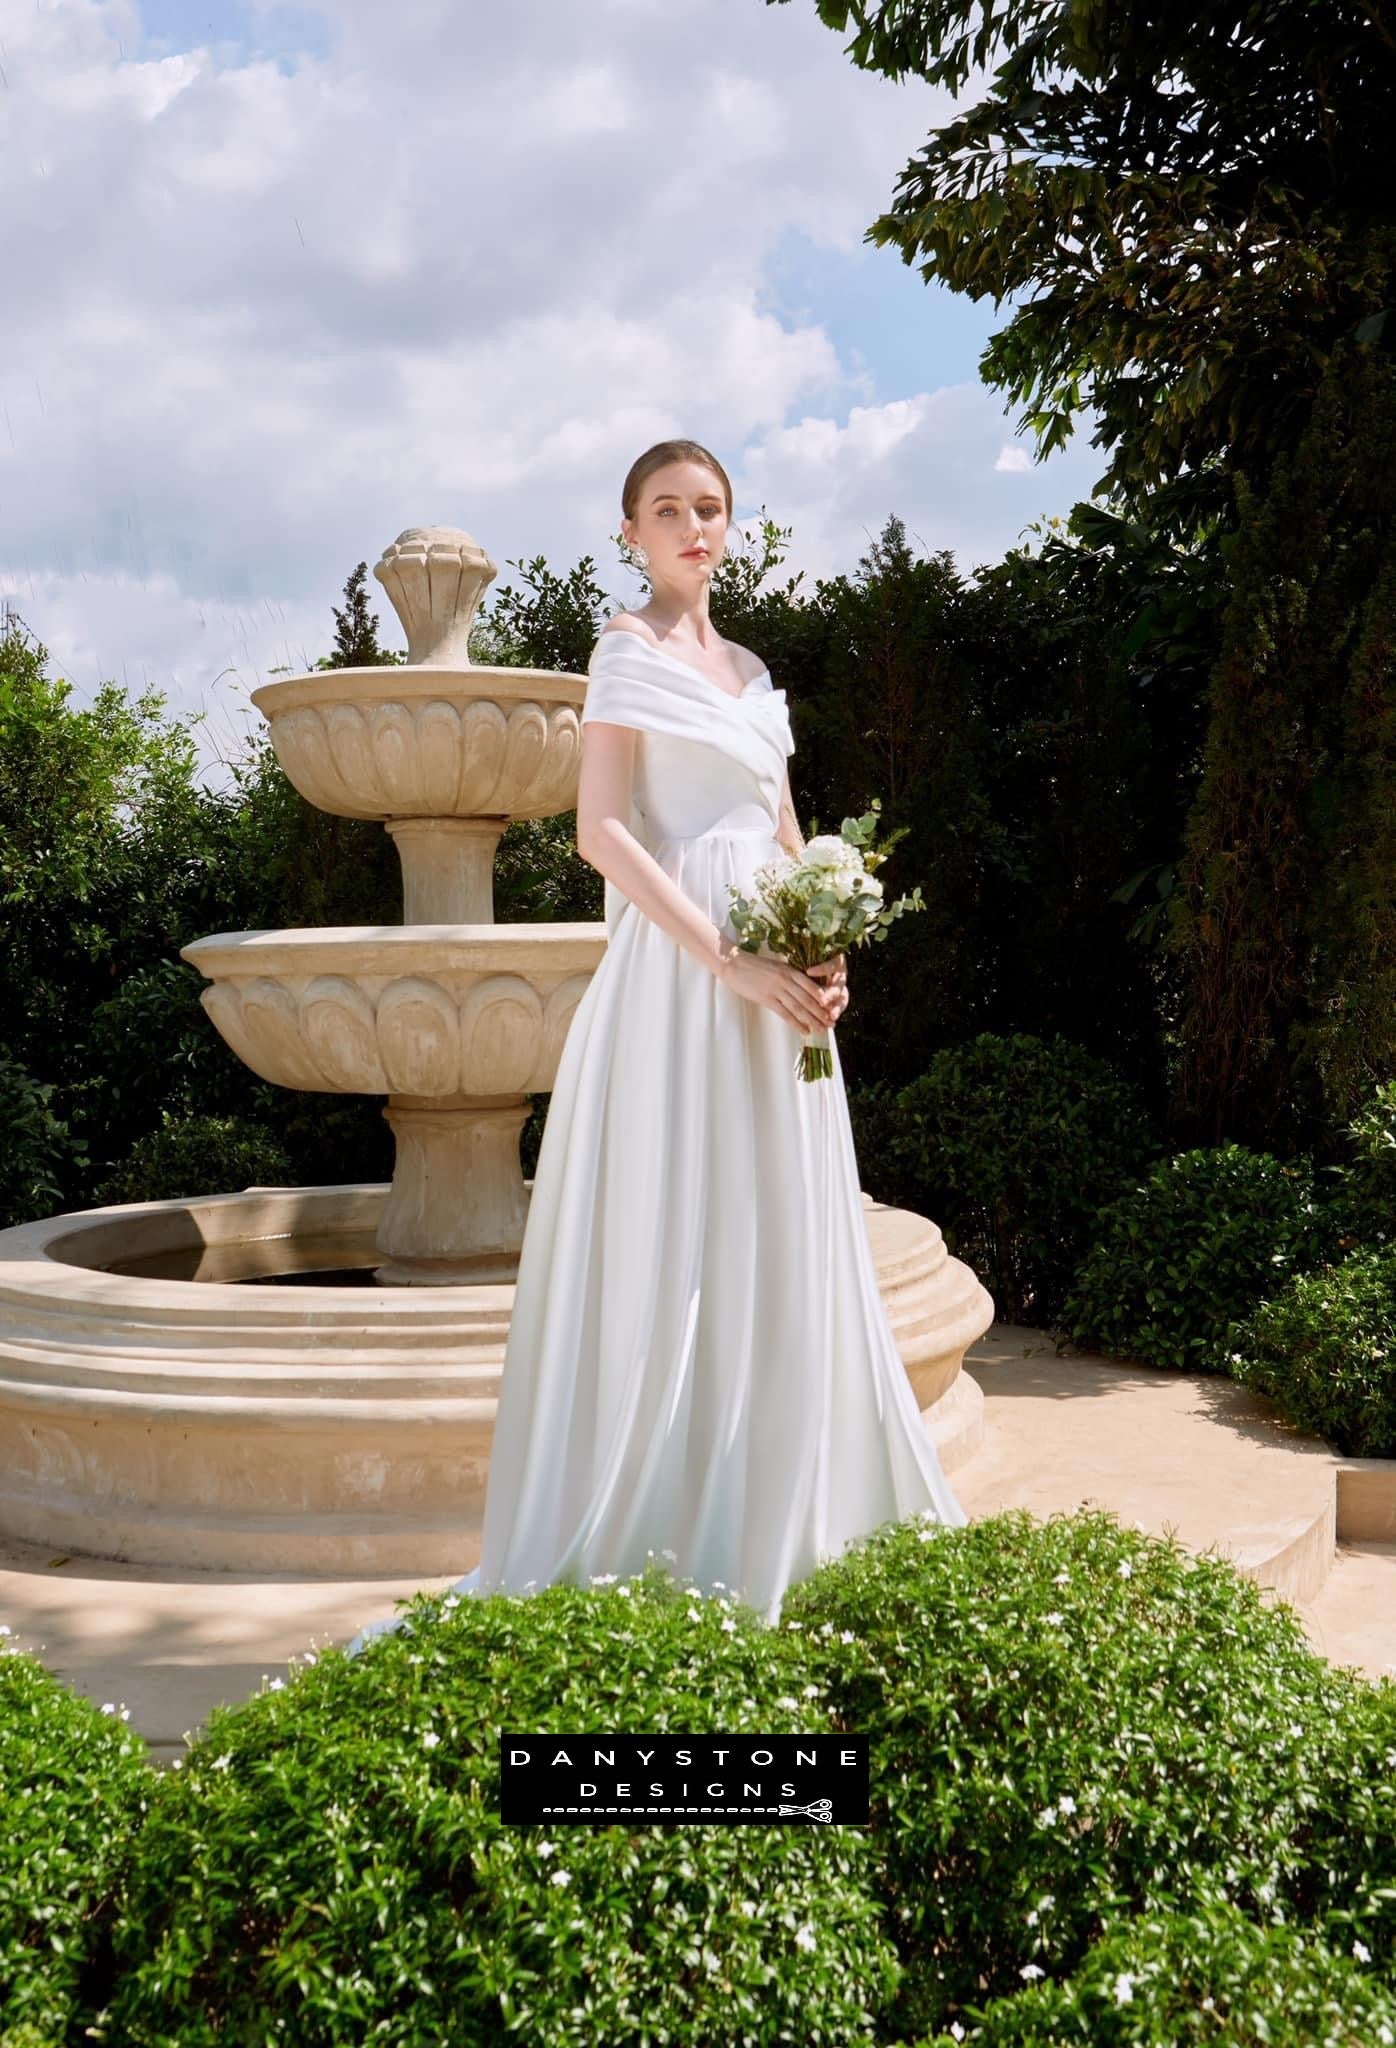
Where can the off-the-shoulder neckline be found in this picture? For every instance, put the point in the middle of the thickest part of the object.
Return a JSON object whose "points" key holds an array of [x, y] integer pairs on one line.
{"points": [[732, 696]]}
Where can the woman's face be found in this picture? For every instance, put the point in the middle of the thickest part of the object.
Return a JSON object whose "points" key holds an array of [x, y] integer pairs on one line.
{"points": [[681, 523]]}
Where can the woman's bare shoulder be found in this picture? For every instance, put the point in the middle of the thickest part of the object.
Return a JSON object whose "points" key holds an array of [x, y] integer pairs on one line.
{"points": [[626, 622]]}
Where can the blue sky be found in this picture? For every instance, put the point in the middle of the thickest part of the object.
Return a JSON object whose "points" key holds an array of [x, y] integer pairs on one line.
{"points": [[299, 277]]}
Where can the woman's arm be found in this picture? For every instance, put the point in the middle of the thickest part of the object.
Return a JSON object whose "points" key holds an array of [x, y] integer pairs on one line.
{"points": [[605, 842]]}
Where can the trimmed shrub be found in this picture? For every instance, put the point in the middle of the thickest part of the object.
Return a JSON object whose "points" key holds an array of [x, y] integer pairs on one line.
{"points": [[330, 1866], [1013, 1145], [197, 1155], [1077, 1734], [1324, 1351], [76, 1783], [1192, 1249], [1364, 1199], [1165, 1980], [1069, 1723]]}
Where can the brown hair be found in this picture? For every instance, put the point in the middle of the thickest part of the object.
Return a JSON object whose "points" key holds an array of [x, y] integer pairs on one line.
{"points": [[655, 458]]}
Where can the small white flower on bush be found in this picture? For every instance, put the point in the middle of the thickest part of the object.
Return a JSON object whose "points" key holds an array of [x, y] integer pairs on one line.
{"points": [[1054, 1619], [805, 1938], [451, 1600], [547, 1848], [786, 1701], [846, 1635], [1126, 1571], [5, 1629], [729, 1627], [811, 1692], [1048, 1817], [1067, 1803], [748, 1907], [603, 1578], [1362, 1952], [957, 2030], [221, 1763], [1062, 1579], [1031, 1970], [1208, 2003], [278, 1685], [430, 1739], [560, 1877], [1124, 1988]]}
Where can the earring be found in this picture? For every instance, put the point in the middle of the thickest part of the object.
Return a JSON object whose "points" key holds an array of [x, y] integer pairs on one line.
{"points": [[638, 558]]}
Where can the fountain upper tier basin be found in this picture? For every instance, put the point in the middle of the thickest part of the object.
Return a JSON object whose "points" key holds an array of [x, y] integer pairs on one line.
{"points": [[427, 1011], [429, 741]]}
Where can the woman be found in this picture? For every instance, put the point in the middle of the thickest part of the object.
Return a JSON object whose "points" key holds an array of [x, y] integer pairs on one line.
{"points": [[699, 1364]]}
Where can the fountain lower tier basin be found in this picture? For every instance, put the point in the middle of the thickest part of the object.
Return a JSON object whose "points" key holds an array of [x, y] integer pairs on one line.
{"points": [[430, 1012], [231, 1419]]}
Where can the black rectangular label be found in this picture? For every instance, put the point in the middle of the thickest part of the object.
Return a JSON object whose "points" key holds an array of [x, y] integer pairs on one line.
{"points": [[710, 1779]]}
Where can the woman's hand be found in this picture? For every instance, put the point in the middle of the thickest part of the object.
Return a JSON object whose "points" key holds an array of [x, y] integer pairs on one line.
{"points": [[834, 974], [788, 990]]}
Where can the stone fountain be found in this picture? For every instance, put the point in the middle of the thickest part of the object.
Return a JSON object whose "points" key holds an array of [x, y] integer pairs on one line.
{"points": [[178, 1383], [454, 1018]]}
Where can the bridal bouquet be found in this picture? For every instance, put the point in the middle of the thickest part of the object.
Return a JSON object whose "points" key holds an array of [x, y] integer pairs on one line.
{"points": [[809, 909]]}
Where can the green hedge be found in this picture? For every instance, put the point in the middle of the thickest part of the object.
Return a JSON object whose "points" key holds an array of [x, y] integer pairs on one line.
{"points": [[1190, 1250], [1012, 1144], [1166, 1980], [1082, 1740], [1324, 1351], [188, 1156], [76, 1784]]}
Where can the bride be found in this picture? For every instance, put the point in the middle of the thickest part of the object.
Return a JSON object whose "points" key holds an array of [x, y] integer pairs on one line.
{"points": [[699, 1364]]}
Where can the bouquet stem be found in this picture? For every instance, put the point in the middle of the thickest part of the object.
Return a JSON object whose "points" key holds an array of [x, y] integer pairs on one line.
{"points": [[816, 1061]]}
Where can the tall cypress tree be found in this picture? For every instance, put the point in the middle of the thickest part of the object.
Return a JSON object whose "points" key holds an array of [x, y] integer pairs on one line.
{"points": [[356, 629], [1285, 917]]}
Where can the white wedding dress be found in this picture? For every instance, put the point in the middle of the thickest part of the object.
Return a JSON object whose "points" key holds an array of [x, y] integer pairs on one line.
{"points": [[699, 1364]]}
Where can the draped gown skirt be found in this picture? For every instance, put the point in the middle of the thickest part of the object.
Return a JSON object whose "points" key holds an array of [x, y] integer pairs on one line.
{"points": [[699, 1365]]}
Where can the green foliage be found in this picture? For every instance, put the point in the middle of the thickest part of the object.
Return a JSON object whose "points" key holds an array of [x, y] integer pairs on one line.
{"points": [[101, 849], [1284, 925], [1178, 266], [356, 630], [191, 1155], [545, 621], [1169, 1980], [1191, 1249], [37, 1147], [1014, 1145], [1324, 1350], [1092, 1754], [1070, 1724], [1364, 1197], [330, 1864], [77, 1783]]}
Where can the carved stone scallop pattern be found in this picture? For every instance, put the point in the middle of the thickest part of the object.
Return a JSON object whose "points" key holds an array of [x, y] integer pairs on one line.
{"points": [[415, 1037], [450, 756]]}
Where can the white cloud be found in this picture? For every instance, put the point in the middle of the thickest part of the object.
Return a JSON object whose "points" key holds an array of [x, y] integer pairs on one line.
{"points": [[462, 269]]}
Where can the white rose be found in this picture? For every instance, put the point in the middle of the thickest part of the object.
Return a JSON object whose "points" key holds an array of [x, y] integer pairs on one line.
{"points": [[831, 850]]}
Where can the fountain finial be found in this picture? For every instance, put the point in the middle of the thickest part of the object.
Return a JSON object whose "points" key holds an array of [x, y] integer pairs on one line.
{"points": [[436, 576]]}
